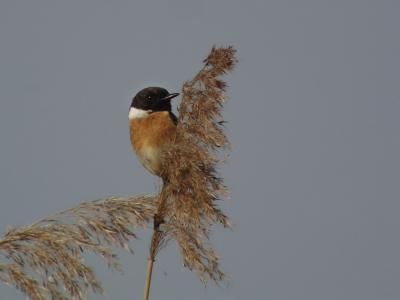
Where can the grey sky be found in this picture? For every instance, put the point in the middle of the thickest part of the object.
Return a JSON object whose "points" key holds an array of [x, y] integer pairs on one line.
{"points": [[314, 117]]}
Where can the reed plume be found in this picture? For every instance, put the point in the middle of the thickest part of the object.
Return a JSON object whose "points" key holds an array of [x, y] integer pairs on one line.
{"points": [[46, 256], [187, 204]]}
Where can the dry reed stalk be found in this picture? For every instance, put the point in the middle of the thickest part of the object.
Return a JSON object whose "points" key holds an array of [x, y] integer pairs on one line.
{"points": [[46, 256], [191, 185], [46, 259]]}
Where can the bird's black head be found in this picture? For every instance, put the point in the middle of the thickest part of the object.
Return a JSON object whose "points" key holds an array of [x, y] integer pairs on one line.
{"points": [[154, 99]]}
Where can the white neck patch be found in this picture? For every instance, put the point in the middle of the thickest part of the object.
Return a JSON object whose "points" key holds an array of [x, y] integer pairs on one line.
{"points": [[135, 113]]}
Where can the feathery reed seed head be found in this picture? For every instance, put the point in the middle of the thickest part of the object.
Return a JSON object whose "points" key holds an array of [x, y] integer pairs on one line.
{"points": [[46, 256], [191, 182]]}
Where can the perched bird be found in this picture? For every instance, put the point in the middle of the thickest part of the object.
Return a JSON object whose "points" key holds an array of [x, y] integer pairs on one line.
{"points": [[151, 124]]}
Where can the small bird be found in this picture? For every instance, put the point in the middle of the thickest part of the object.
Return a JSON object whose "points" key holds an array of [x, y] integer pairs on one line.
{"points": [[151, 124]]}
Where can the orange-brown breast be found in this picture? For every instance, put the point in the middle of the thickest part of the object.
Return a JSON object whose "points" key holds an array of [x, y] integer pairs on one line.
{"points": [[148, 136]]}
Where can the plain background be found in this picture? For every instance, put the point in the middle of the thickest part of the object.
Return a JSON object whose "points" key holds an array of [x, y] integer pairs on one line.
{"points": [[314, 117]]}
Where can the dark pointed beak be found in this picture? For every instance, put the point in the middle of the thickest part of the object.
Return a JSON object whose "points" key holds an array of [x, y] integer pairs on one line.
{"points": [[169, 97]]}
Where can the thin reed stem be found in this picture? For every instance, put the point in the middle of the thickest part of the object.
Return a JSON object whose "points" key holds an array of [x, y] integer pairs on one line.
{"points": [[148, 278], [156, 239]]}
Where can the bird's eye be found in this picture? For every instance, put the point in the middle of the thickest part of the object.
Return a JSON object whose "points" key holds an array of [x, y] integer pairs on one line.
{"points": [[150, 97]]}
